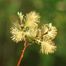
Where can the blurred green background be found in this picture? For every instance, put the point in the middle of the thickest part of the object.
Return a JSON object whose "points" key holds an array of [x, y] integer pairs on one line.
{"points": [[53, 11]]}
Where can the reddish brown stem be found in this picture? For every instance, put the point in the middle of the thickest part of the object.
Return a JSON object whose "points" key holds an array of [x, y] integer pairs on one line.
{"points": [[22, 54]]}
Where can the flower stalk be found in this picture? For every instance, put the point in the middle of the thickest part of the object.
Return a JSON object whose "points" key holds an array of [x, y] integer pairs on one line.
{"points": [[22, 53]]}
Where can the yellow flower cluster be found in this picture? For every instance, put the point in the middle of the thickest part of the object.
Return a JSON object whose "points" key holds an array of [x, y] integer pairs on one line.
{"points": [[45, 37], [17, 35], [28, 27], [47, 47]]}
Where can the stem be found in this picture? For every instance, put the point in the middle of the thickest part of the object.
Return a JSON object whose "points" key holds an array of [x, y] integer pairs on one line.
{"points": [[22, 54]]}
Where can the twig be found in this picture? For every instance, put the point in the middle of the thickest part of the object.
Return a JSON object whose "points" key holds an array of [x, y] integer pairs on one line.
{"points": [[22, 54]]}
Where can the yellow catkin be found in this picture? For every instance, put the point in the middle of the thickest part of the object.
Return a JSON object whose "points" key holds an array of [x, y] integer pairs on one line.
{"points": [[43, 35]]}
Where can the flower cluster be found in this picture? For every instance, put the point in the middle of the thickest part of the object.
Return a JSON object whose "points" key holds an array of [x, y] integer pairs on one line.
{"points": [[28, 27]]}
